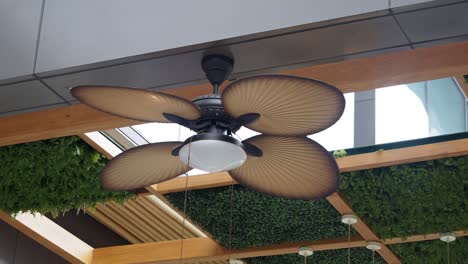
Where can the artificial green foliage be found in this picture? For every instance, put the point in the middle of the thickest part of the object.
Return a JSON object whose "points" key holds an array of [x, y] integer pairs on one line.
{"points": [[433, 252], [417, 198], [258, 219], [52, 176], [358, 256], [339, 153]]}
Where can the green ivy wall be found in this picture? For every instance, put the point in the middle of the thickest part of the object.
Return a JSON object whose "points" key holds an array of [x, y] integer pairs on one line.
{"points": [[52, 176]]}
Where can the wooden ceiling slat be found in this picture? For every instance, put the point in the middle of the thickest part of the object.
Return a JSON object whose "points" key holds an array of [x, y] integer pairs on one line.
{"points": [[114, 226], [130, 227], [173, 224], [165, 224], [137, 210], [156, 233], [133, 220]]}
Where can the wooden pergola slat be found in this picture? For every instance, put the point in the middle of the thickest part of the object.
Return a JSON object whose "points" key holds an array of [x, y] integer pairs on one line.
{"points": [[203, 249], [350, 76], [362, 228], [52, 236]]}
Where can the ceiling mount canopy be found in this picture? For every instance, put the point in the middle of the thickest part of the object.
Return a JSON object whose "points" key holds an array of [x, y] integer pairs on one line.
{"points": [[283, 162]]}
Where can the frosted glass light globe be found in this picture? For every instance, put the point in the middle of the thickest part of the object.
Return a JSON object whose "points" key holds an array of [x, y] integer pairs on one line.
{"points": [[212, 155]]}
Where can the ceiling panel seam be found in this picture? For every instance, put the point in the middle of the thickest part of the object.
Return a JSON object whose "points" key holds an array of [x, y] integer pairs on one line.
{"points": [[38, 37], [402, 30], [50, 89]]}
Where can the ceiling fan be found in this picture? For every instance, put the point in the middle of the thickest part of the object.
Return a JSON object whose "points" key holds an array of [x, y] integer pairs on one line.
{"points": [[281, 162]]}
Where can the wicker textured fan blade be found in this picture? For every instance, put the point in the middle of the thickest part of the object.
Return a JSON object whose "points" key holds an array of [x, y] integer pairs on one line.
{"points": [[142, 166], [288, 105], [135, 103], [290, 167]]}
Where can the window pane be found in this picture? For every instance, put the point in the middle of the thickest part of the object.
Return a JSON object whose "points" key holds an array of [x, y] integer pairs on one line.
{"points": [[446, 107], [400, 113]]}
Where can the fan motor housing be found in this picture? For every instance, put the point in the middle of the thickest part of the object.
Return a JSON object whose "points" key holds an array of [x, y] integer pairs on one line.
{"points": [[213, 114]]}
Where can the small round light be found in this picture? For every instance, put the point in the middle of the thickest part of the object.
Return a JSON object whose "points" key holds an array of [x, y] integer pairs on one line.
{"points": [[448, 237], [373, 245], [235, 261], [349, 219], [305, 251], [212, 154]]}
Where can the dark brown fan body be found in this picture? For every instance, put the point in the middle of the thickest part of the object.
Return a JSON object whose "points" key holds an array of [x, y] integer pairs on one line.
{"points": [[282, 162]]}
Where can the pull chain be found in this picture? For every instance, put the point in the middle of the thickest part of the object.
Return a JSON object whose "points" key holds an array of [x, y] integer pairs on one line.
{"points": [[230, 219], [448, 252], [349, 244], [185, 205]]}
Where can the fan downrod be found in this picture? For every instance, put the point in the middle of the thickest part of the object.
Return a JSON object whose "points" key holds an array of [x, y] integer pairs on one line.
{"points": [[217, 68]]}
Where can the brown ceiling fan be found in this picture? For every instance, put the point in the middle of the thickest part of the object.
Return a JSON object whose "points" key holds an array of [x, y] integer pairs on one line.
{"points": [[281, 162]]}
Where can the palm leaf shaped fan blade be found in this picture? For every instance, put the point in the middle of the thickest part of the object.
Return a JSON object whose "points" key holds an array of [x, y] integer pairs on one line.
{"points": [[133, 103], [142, 166], [283, 162], [288, 105]]}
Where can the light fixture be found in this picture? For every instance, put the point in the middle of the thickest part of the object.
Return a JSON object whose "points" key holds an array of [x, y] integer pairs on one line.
{"points": [[448, 237], [212, 152], [305, 252], [349, 219], [373, 246]]}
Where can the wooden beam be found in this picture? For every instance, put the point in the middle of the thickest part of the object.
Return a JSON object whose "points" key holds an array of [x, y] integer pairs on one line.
{"points": [[204, 249], [426, 237], [56, 122], [406, 155], [96, 146], [52, 236], [362, 228], [371, 160], [205, 181], [350, 76]]}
